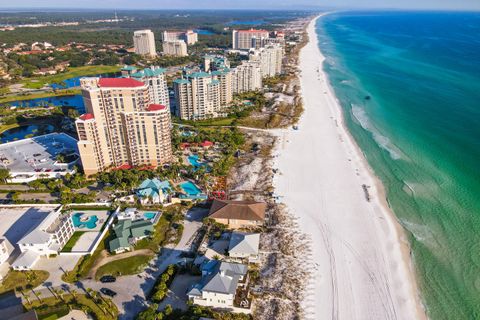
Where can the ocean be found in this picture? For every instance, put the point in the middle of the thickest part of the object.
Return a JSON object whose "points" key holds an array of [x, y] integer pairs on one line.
{"points": [[409, 86]]}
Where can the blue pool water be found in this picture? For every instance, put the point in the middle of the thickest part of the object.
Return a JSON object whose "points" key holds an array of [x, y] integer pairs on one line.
{"points": [[149, 215], [190, 188], [193, 160], [204, 32], [91, 223]]}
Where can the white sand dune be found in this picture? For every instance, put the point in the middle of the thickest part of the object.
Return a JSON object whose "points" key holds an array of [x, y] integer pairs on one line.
{"points": [[362, 267]]}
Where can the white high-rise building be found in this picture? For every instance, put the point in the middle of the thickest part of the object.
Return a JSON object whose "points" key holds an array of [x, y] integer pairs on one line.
{"points": [[248, 39], [155, 78], [247, 77], [144, 42], [177, 48], [270, 59], [190, 37]]}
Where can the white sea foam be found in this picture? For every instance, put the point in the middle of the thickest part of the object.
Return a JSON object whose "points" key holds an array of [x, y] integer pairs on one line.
{"points": [[382, 141]]}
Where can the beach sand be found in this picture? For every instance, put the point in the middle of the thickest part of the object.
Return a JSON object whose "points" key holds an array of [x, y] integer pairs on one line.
{"points": [[360, 261]]}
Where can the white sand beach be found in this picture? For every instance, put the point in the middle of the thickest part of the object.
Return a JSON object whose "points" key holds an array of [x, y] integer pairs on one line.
{"points": [[360, 259]]}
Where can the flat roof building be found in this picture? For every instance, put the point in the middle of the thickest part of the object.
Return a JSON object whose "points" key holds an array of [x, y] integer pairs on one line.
{"points": [[248, 39], [176, 48], [144, 43]]}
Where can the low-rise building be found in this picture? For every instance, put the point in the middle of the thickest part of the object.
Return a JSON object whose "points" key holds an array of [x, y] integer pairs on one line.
{"points": [[127, 233], [153, 191], [238, 214], [244, 246], [219, 284], [46, 239]]}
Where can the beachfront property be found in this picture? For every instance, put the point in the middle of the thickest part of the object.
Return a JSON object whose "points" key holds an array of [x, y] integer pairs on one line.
{"points": [[127, 233], [176, 48], [121, 127], [134, 214], [34, 158], [248, 39], [155, 78], [190, 192], [215, 62], [238, 214], [190, 37], [219, 284], [244, 246], [269, 58], [44, 239], [144, 43], [153, 191], [247, 77]]}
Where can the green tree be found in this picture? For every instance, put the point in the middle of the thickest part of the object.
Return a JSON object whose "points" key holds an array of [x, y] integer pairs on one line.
{"points": [[4, 175]]}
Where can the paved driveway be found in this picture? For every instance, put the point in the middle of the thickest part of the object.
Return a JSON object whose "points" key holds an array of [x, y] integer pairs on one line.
{"points": [[177, 294]]}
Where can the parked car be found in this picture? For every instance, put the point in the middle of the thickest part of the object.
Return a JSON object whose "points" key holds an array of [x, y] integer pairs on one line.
{"points": [[108, 292], [107, 279]]}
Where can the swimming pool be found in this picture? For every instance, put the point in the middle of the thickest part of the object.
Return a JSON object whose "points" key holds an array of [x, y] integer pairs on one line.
{"points": [[91, 223], [193, 160], [190, 188], [149, 215]]}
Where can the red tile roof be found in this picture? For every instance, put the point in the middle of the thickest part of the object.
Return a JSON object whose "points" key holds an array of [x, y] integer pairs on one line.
{"points": [[87, 116], [207, 143], [156, 107], [119, 83]]}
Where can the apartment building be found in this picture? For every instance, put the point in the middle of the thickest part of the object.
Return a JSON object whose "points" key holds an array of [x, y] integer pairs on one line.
{"points": [[224, 76], [247, 77], [144, 43], [155, 78], [269, 58], [121, 127], [212, 63], [198, 96], [47, 238], [248, 39], [190, 37], [177, 48]]}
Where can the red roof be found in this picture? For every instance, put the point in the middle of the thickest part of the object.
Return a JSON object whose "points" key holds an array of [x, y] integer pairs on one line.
{"points": [[124, 166], [184, 145], [87, 116], [156, 107], [119, 83], [206, 143]]}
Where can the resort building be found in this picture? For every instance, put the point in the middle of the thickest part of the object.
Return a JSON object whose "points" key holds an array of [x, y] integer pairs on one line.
{"points": [[224, 77], [219, 284], [269, 58], [144, 43], [213, 63], [177, 48], [45, 239], [244, 246], [190, 37], [153, 191], [248, 39], [121, 127], [155, 78], [238, 214], [247, 77], [198, 96], [127, 233]]}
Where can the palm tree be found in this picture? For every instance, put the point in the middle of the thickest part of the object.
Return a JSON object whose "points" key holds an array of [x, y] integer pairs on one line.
{"points": [[4, 175], [38, 294]]}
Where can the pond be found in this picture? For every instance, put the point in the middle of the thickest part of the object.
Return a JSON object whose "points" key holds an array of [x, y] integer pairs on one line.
{"points": [[71, 101], [204, 32], [75, 82], [25, 132]]}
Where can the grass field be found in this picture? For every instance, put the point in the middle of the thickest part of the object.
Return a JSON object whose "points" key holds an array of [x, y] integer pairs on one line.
{"points": [[123, 267], [19, 97], [73, 240], [40, 82], [23, 279]]}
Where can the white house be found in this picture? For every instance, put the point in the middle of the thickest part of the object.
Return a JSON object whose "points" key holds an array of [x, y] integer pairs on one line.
{"points": [[6, 249], [244, 246], [45, 239], [219, 284]]}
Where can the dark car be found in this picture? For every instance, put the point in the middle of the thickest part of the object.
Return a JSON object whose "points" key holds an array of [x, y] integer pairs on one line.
{"points": [[107, 279], [108, 292]]}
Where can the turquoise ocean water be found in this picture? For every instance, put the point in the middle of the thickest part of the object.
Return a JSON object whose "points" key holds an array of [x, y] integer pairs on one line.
{"points": [[409, 84]]}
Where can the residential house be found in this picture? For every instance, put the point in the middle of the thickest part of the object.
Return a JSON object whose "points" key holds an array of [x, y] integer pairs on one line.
{"points": [[219, 284], [153, 191], [244, 246], [238, 214], [127, 233]]}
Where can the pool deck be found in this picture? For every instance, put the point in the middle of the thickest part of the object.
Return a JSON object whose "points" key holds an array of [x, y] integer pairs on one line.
{"points": [[102, 216]]}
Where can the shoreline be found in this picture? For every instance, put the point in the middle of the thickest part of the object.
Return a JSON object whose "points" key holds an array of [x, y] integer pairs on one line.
{"points": [[370, 272]]}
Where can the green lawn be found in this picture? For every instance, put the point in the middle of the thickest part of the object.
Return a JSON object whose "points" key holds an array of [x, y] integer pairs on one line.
{"points": [[23, 279], [54, 307], [127, 266], [73, 240], [153, 243], [41, 81], [11, 98]]}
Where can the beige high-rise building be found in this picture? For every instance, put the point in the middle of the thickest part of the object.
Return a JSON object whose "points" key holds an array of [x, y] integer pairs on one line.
{"points": [[224, 76], [248, 39], [198, 96], [176, 48], [190, 37], [270, 59], [121, 127], [144, 42], [247, 77]]}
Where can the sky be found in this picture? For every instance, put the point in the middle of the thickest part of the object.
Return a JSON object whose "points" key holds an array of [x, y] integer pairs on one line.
{"points": [[245, 4]]}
